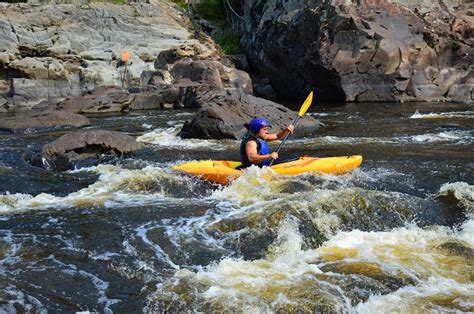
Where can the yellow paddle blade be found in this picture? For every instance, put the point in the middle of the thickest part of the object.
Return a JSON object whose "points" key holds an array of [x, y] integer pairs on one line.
{"points": [[306, 104]]}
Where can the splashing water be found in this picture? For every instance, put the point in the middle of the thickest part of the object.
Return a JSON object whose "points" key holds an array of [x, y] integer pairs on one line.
{"points": [[168, 137], [443, 115]]}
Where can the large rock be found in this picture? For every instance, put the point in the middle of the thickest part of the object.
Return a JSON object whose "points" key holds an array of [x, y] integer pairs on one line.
{"points": [[63, 50], [212, 73], [363, 50], [74, 150], [224, 113], [102, 99], [42, 120]]}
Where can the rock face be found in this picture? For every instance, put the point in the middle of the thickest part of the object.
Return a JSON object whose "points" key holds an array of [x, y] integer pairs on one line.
{"points": [[42, 120], [224, 113], [363, 50], [76, 149], [102, 99], [54, 51]]}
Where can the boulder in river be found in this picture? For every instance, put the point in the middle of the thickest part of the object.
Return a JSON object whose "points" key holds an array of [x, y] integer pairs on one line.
{"points": [[224, 113], [43, 120], [74, 150]]}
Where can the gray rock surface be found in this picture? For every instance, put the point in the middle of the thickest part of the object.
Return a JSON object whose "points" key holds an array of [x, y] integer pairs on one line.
{"points": [[42, 120], [102, 99], [396, 50], [62, 50], [75, 149], [224, 113]]}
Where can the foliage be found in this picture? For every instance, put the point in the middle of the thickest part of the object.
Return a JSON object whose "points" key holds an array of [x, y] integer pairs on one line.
{"points": [[13, 1], [215, 11], [182, 3], [120, 2], [228, 41], [429, 39], [212, 10]]}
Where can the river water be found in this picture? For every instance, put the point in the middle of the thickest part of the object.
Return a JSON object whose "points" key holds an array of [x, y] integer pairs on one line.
{"points": [[396, 235]]}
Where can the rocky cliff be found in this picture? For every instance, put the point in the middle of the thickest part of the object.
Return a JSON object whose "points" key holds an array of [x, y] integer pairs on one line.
{"points": [[363, 50], [53, 51]]}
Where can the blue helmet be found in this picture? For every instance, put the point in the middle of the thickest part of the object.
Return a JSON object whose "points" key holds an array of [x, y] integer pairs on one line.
{"points": [[257, 123]]}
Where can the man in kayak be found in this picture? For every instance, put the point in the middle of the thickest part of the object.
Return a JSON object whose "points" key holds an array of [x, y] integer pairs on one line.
{"points": [[254, 149]]}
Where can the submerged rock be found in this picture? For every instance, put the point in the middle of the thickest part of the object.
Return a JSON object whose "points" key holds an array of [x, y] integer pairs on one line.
{"points": [[458, 249], [84, 148]]}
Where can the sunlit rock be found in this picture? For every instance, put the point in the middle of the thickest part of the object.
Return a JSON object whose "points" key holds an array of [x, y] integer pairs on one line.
{"points": [[70, 49], [224, 113], [85, 148]]}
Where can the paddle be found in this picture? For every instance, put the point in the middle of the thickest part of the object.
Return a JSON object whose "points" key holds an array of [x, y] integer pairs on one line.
{"points": [[301, 113]]}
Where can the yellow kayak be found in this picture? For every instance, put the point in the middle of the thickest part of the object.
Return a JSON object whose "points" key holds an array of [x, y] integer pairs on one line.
{"points": [[223, 171]]}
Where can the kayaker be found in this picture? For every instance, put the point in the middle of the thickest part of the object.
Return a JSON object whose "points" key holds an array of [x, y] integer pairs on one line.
{"points": [[254, 149]]}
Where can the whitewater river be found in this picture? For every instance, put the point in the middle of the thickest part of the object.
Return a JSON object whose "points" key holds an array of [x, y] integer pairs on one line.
{"points": [[396, 235]]}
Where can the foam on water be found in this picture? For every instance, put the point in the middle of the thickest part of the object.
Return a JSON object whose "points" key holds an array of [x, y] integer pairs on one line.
{"points": [[430, 264], [456, 136], [16, 296], [141, 232], [443, 115], [256, 284], [257, 184], [439, 271], [116, 186], [253, 196], [439, 295], [262, 184], [453, 136], [168, 137]]}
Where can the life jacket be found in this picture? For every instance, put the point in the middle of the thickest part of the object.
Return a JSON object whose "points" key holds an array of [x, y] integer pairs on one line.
{"points": [[262, 149]]}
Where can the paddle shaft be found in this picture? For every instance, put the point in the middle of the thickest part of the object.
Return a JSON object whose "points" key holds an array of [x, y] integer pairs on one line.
{"points": [[285, 138]]}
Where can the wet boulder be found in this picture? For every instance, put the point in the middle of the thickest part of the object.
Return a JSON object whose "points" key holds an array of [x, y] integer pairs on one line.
{"points": [[224, 113], [43, 120], [78, 149]]}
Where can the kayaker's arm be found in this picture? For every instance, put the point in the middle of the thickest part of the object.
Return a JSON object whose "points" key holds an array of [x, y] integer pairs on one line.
{"points": [[281, 135], [254, 157]]}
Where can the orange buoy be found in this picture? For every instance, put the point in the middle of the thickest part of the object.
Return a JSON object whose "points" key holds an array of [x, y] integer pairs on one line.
{"points": [[125, 56]]}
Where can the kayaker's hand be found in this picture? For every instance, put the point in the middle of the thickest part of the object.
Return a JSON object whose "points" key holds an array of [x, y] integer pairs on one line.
{"points": [[274, 155], [291, 128]]}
